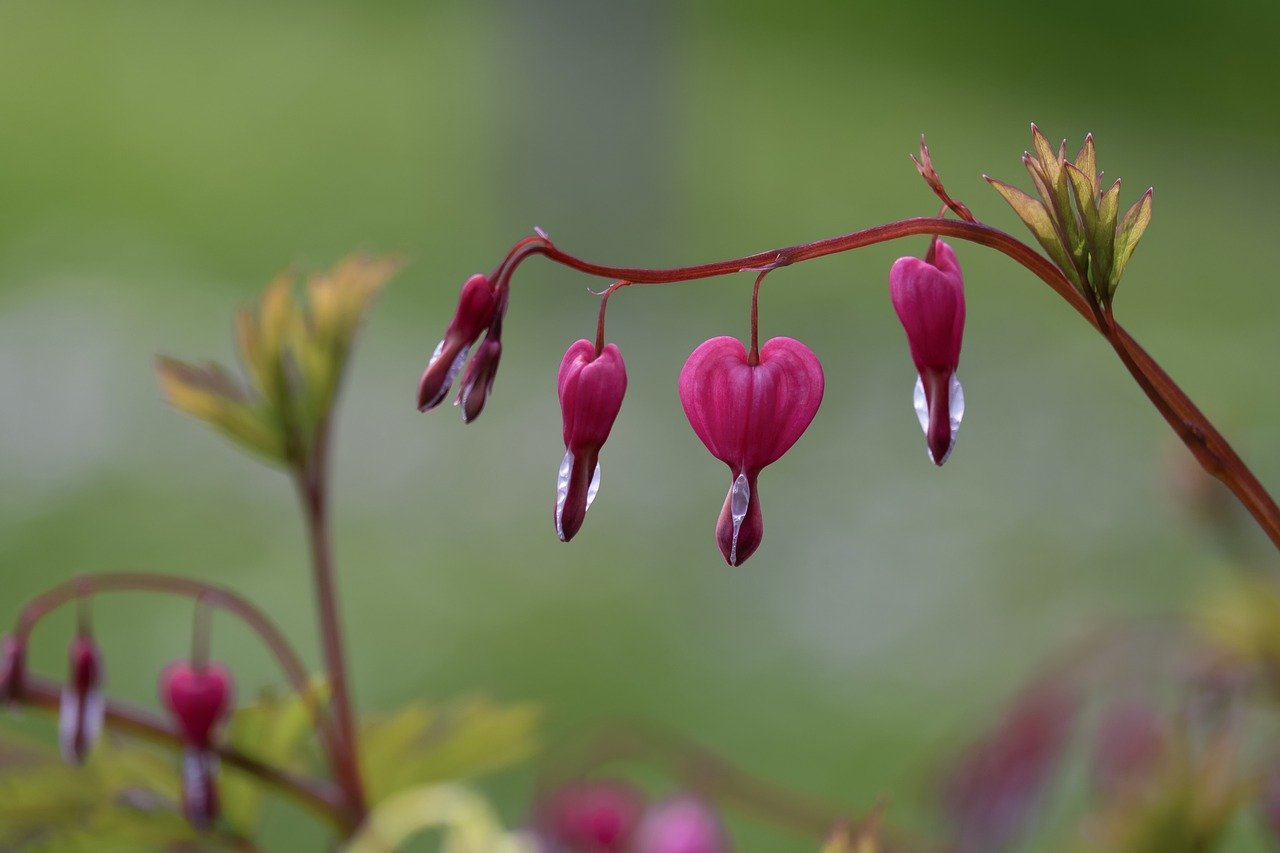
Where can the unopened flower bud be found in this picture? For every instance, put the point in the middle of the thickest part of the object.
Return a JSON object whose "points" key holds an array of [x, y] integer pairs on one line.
{"points": [[591, 386], [13, 668], [681, 825], [198, 697], [592, 816], [477, 304], [82, 706], [748, 416], [928, 296], [477, 380]]}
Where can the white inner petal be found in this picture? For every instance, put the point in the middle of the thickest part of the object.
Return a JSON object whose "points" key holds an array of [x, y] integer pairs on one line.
{"points": [[955, 399], [739, 500], [562, 489]]}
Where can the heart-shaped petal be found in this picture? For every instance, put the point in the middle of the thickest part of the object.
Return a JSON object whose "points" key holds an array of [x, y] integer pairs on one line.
{"points": [[749, 415], [198, 697]]}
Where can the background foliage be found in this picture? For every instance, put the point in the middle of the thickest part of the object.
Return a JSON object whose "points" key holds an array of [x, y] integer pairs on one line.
{"points": [[160, 161]]}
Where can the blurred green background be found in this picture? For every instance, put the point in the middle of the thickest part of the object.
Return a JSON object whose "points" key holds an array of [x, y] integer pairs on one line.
{"points": [[159, 162]]}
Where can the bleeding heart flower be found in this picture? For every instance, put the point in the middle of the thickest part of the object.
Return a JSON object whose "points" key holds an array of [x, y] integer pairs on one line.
{"points": [[199, 697], [82, 707], [681, 825], [477, 306], [591, 386], [589, 816], [929, 298], [748, 415]]}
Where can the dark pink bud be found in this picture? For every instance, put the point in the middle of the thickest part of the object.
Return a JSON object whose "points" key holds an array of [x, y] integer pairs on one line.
{"points": [[992, 793], [929, 298], [198, 697], [477, 305], [591, 387], [595, 816], [748, 416], [82, 707], [1128, 749], [477, 380], [681, 825], [13, 668]]}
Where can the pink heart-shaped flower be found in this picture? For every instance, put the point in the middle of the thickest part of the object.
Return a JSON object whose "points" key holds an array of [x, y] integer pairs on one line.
{"points": [[748, 415], [198, 697]]}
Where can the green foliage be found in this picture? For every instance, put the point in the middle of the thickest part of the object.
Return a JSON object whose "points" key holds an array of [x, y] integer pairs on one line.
{"points": [[274, 730], [1074, 220], [469, 823], [123, 799], [294, 354], [423, 744]]}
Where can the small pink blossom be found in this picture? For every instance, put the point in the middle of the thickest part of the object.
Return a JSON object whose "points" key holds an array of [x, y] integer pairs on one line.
{"points": [[928, 296], [81, 710], [681, 825], [591, 386], [199, 697], [477, 307]]}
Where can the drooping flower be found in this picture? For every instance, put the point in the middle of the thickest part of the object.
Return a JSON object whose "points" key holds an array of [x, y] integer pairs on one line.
{"points": [[748, 415], [477, 305], [13, 668], [992, 793], [82, 706], [928, 296], [589, 816], [199, 697], [681, 824], [591, 386], [1129, 747], [477, 379]]}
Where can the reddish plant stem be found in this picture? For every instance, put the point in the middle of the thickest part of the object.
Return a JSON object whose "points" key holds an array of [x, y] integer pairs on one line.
{"points": [[604, 304], [312, 483], [1209, 447], [317, 796]]}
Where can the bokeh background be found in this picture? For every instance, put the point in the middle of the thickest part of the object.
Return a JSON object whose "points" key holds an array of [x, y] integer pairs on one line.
{"points": [[159, 162]]}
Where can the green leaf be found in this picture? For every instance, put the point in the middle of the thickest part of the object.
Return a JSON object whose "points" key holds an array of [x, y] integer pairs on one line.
{"points": [[122, 800], [470, 824], [1108, 208], [1087, 203], [1087, 162], [273, 730], [209, 393], [1129, 232], [1034, 215], [423, 744], [1055, 192]]}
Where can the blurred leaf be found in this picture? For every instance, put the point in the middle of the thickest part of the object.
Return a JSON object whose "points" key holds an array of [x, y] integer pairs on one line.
{"points": [[1245, 620], [470, 824], [294, 354], [422, 743], [273, 730], [209, 393], [123, 799], [1087, 162]]}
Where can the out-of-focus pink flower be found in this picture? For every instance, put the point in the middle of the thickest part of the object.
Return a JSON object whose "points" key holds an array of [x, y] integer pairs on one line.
{"points": [[1128, 748], [990, 795], [477, 305], [748, 416], [199, 697], [592, 816], [591, 386], [929, 298], [13, 667], [681, 825], [82, 707]]}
